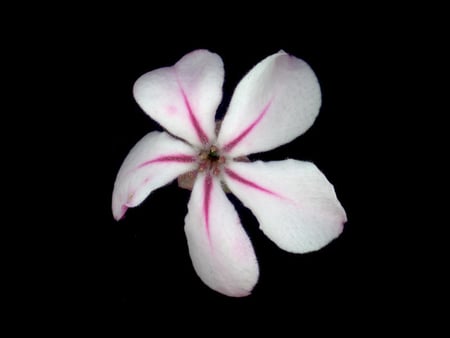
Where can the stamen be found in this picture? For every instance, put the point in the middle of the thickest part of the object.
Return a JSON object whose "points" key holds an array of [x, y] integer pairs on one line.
{"points": [[211, 161]]}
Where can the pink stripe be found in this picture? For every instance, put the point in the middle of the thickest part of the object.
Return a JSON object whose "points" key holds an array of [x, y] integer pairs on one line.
{"points": [[181, 158], [245, 181], [230, 145], [206, 202], [198, 129]]}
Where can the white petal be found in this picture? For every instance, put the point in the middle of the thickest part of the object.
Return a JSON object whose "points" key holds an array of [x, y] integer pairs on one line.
{"points": [[157, 159], [294, 203], [184, 98], [274, 103], [220, 249]]}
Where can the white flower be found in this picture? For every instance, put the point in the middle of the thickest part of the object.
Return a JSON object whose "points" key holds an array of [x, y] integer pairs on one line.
{"points": [[277, 101]]}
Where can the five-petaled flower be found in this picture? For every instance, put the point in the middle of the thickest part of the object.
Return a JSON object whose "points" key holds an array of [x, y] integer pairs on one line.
{"points": [[294, 203]]}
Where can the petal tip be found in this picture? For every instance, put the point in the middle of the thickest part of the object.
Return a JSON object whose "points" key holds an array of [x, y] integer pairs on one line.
{"points": [[239, 294], [119, 214]]}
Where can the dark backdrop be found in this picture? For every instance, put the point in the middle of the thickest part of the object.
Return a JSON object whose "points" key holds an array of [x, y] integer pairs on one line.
{"points": [[140, 266]]}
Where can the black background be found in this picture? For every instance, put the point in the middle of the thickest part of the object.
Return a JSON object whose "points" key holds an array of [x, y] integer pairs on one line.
{"points": [[139, 267]]}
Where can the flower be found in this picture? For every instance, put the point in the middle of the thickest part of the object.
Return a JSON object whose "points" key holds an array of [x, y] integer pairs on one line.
{"points": [[294, 203]]}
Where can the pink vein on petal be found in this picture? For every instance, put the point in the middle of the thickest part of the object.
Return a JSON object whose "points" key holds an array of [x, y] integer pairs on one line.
{"points": [[207, 201], [198, 129], [230, 145], [245, 181], [181, 158]]}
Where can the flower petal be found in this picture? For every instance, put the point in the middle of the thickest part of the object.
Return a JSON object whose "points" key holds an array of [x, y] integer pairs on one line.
{"points": [[293, 202], [154, 161], [220, 249], [184, 98], [274, 103]]}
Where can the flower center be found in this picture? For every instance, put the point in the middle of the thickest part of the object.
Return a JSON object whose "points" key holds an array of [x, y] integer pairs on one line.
{"points": [[213, 154], [211, 160]]}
